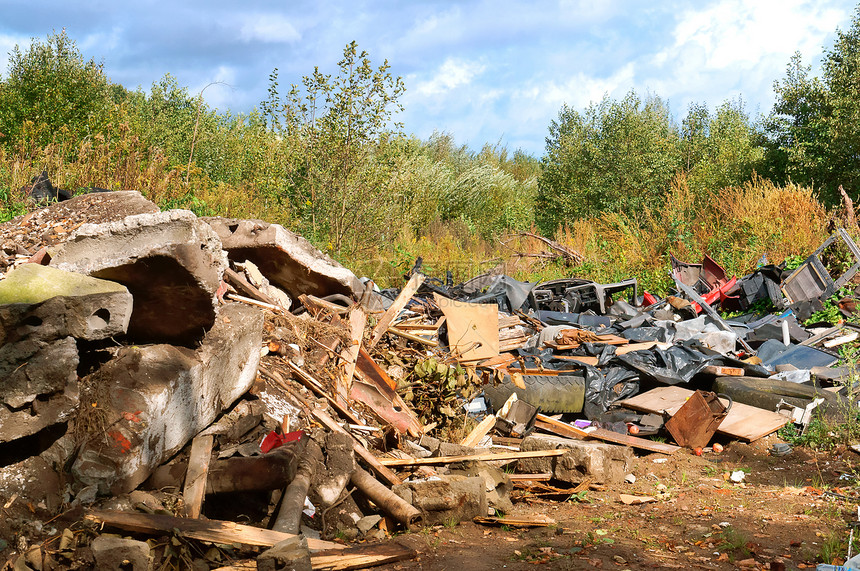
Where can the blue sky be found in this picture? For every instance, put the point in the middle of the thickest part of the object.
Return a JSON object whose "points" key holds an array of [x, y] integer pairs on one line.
{"points": [[483, 71]]}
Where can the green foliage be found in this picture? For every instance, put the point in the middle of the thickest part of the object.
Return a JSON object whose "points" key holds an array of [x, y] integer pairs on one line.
{"points": [[616, 156], [730, 152], [830, 310], [813, 129], [341, 125], [53, 90]]}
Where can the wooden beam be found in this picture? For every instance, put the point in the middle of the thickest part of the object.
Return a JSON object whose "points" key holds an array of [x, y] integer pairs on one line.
{"points": [[239, 282], [480, 431], [471, 458], [399, 303], [216, 531], [569, 431], [357, 321], [195, 477]]}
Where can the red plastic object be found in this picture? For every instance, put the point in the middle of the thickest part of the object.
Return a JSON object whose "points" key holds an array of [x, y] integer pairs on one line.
{"points": [[274, 440], [649, 299]]}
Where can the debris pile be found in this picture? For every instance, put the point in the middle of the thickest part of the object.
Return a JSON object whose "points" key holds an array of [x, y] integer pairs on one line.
{"points": [[223, 384]]}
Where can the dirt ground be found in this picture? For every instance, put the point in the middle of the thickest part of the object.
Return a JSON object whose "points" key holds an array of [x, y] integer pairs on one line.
{"points": [[794, 509]]}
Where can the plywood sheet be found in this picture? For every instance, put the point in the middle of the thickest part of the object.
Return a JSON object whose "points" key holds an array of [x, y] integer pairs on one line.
{"points": [[473, 328], [743, 422]]}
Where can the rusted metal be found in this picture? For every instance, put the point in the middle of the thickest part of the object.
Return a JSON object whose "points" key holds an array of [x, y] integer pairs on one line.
{"points": [[696, 421]]}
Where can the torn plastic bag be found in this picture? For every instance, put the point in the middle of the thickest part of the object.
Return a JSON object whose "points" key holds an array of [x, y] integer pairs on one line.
{"points": [[588, 321], [604, 387], [680, 363], [641, 334]]}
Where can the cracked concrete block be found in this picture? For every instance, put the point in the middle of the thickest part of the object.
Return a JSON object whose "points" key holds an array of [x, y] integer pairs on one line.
{"points": [[31, 368], [285, 258], [171, 262], [156, 398], [446, 498], [604, 462], [119, 553], [42, 303]]}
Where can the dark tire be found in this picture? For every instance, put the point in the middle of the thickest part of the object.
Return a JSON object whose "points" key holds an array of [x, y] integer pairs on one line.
{"points": [[550, 393]]}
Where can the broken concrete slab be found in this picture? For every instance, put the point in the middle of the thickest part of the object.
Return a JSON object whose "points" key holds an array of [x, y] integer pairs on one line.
{"points": [[288, 555], [30, 368], [38, 302], [339, 466], [446, 498], [158, 397], [603, 462], [285, 258], [171, 262], [119, 553]]}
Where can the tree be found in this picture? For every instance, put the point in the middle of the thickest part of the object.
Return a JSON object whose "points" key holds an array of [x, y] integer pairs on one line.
{"points": [[814, 127], [342, 124], [51, 86], [730, 152], [617, 156]]}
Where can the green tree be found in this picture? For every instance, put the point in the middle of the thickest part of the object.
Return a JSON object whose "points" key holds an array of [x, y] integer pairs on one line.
{"points": [[343, 125], [730, 153], [52, 87], [617, 156]]}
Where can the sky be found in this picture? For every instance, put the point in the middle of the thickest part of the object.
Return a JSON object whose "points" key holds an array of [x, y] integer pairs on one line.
{"points": [[482, 71]]}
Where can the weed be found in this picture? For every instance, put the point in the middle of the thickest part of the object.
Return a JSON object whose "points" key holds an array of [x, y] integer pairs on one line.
{"points": [[581, 497], [451, 522], [833, 547], [733, 539]]}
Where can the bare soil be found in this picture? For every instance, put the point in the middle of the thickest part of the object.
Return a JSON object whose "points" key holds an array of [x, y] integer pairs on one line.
{"points": [[795, 510]]}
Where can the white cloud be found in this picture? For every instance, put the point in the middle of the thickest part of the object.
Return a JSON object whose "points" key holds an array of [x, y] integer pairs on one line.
{"points": [[452, 74], [269, 28]]}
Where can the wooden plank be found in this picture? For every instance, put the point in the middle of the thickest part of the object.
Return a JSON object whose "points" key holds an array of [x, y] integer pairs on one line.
{"points": [[744, 422], [480, 431], [216, 531], [537, 520], [470, 458], [312, 301], [361, 557], [723, 371], [240, 283], [357, 321], [399, 303], [569, 431], [195, 478], [540, 477], [411, 337]]}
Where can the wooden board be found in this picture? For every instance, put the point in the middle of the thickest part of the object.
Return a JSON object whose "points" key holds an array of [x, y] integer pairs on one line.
{"points": [[216, 531], [399, 303], [361, 557], [743, 422], [470, 458], [568, 431], [195, 478], [473, 328], [480, 431]]}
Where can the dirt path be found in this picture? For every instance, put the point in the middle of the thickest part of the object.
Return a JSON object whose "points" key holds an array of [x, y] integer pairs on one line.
{"points": [[793, 509]]}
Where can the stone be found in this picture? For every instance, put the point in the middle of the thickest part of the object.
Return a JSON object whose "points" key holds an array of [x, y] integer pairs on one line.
{"points": [[118, 553], [31, 368], [496, 483], [445, 499], [171, 262], [368, 522], [157, 397], [288, 555], [288, 260], [603, 462]]}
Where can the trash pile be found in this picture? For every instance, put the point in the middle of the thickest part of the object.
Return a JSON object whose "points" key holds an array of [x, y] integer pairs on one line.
{"points": [[221, 387]]}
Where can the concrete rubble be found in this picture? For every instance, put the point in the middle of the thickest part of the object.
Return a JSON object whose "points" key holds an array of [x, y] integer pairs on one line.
{"points": [[221, 381]]}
